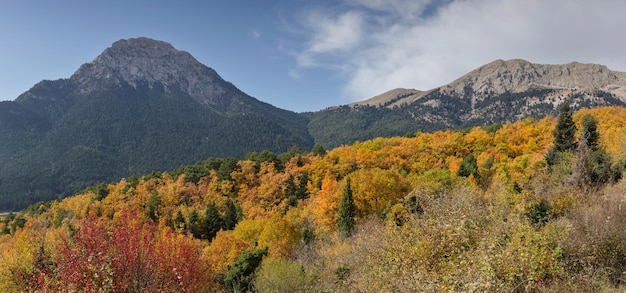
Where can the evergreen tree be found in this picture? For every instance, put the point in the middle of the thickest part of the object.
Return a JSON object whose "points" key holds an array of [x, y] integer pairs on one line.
{"points": [[590, 132], [552, 157], [291, 191], [347, 211], [302, 191], [593, 166], [154, 206], [195, 226], [231, 218], [318, 150], [286, 156], [565, 130], [240, 276], [468, 167], [213, 221], [300, 161]]}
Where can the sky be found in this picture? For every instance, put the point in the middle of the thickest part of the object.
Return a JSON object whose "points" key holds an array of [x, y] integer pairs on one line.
{"points": [[306, 55]]}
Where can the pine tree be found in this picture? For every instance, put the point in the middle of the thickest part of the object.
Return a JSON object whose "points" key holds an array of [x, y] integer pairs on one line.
{"points": [[291, 191], [213, 221], [154, 206], [318, 150], [590, 132], [593, 166], [302, 191], [240, 276], [195, 226], [347, 211], [231, 218], [468, 167], [565, 130]]}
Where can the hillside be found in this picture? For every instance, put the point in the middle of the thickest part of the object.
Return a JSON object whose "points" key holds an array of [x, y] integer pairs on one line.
{"points": [[140, 106], [493, 93], [479, 210]]}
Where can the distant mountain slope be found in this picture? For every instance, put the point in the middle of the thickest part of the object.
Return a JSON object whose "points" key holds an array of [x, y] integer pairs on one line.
{"points": [[494, 93], [140, 106]]}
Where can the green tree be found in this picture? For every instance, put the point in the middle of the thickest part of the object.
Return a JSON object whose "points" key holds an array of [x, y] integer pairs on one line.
{"points": [[195, 225], [552, 157], [18, 222], [468, 167], [318, 150], [593, 166], [302, 190], [154, 206], [291, 191], [100, 191], [286, 156], [213, 222], [590, 132], [565, 130], [231, 218], [240, 276], [347, 211]]}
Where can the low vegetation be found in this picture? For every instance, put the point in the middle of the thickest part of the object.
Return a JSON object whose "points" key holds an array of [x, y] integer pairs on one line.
{"points": [[487, 209]]}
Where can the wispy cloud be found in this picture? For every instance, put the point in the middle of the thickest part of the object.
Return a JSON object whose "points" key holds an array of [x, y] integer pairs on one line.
{"points": [[331, 35], [256, 33], [293, 74], [380, 45]]}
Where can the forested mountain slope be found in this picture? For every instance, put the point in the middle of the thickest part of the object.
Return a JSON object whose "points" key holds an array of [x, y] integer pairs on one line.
{"points": [[140, 106], [478, 210]]}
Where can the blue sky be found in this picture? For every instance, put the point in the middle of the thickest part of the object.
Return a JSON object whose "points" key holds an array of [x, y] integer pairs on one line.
{"points": [[308, 55]]}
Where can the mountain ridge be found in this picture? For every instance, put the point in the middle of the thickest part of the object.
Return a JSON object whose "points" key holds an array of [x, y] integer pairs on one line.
{"points": [[518, 75]]}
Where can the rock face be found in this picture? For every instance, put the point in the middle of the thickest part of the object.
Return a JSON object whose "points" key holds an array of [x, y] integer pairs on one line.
{"points": [[144, 61], [518, 76]]}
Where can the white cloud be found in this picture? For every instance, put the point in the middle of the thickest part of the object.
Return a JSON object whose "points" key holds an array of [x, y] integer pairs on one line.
{"points": [[381, 45], [331, 35]]}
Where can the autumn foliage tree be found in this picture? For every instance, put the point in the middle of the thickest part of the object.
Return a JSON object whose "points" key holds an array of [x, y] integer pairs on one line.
{"points": [[129, 257]]}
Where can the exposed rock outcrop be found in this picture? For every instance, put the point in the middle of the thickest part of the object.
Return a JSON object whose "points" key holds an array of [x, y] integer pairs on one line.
{"points": [[143, 60]]}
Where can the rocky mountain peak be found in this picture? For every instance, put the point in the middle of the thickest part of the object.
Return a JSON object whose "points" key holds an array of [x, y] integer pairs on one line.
{"points": [[519, 75], [145, 61]]}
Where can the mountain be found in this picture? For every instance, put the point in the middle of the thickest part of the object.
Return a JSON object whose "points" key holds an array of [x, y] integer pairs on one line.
{"points": [[139, 106], [494, 93]]}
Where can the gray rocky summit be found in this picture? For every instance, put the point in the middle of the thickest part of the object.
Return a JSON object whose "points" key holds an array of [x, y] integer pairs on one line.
{"points": [[150, 62], [518, 76]]}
